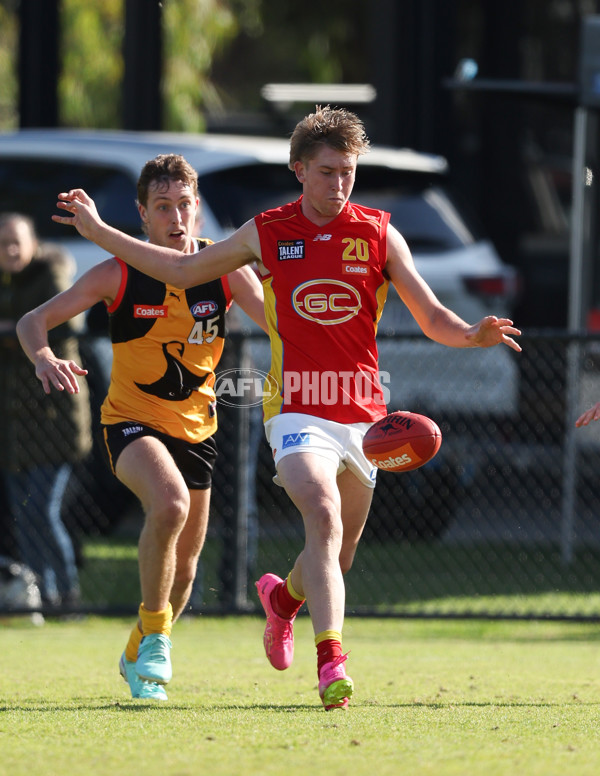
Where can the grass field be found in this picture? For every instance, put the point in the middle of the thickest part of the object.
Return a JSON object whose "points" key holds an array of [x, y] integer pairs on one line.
{"points": [[425, 578], [432, 697]]}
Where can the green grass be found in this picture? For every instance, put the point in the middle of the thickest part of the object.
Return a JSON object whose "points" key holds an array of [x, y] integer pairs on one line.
{"points": [[432, 698], [428, 578]]}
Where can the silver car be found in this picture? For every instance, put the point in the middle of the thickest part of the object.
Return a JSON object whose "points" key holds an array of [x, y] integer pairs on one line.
{"points": [[242, 175]]}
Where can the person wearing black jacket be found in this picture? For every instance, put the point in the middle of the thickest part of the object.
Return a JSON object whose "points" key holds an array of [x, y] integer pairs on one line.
{"points": [[41, 436]]}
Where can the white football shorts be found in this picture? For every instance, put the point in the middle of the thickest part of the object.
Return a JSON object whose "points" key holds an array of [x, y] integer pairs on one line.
{"points": [[341, 443]]}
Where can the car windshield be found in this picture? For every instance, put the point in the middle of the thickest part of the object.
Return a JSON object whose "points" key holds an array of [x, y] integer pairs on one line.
{"points": [[30, 185], [420, 208], [426, 218]]}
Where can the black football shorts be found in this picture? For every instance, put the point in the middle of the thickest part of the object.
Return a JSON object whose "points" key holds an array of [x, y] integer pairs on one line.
{"points": [[195, 461]]}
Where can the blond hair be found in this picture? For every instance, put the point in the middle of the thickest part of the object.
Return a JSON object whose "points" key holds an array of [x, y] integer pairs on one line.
{"points": [[334, 127]]}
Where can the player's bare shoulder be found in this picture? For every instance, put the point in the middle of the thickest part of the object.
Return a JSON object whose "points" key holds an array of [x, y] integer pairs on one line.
{"points": [[398, 252], [102, 280], [248, 234]]}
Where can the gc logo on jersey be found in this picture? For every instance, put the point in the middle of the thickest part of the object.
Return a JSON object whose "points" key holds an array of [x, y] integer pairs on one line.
{"points": [[326, 301], [290, 249]]}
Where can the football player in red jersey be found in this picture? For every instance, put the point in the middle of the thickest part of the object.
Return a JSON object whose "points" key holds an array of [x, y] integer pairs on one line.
{"points": [[325, 265], [159, 416]]}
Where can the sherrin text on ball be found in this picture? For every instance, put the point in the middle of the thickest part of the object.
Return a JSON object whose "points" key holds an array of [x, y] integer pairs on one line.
{"points": [[402, 441]]}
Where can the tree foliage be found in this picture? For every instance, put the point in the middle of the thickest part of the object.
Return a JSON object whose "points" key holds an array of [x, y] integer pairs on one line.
{"points": [[91, 70], [92, 74], [216, 56], [92, 63], [193, 32], [308, 42], [8, 65]]}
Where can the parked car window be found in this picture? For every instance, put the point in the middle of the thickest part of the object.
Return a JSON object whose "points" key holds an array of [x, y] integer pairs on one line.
{"points": [[30, 185], [426, 218], [241, 176], [423, 212], [237, 194]]}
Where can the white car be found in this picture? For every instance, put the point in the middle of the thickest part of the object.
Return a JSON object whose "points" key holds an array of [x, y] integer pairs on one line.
{"points": [[240, 176]]}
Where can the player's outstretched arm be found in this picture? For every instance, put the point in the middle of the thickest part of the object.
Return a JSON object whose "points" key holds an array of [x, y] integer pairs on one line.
{"points": [[492, 331], [247, 292], [99, 283], [164, 264], [592, 414], [83, 215], [51, 371], [437, 321]]}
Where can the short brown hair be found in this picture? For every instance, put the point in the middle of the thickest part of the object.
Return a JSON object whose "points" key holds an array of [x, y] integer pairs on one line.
{"points": [[162, 170], [335, 127]]}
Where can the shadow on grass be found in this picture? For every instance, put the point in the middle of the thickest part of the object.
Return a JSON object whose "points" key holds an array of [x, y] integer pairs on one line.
{"points": [[152, 707]]}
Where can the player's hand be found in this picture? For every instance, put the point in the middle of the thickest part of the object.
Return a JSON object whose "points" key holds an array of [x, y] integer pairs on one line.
{"points": [[592, 414], [492, 331], [84, 216], [60, 373]]}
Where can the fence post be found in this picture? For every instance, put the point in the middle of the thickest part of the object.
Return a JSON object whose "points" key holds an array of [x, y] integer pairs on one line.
{"points": [[570, 454], [241, 492], [579, 250]]}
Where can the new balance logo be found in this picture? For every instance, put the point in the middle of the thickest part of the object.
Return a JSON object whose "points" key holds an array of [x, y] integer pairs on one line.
{"points": [[322, 238]]}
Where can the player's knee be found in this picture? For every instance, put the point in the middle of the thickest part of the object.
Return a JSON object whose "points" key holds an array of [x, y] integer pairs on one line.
{"points": [[345, 565], [185, 574], [327, 530], [170, 514], [346, 561]]}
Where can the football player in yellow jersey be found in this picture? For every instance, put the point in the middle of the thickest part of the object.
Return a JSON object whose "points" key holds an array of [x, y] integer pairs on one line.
{"points": [[159, 416]]}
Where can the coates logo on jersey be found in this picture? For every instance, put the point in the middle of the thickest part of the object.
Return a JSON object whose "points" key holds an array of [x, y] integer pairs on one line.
{"points": [[202, 309], [356, 269], [150, 311], [326, 301]]}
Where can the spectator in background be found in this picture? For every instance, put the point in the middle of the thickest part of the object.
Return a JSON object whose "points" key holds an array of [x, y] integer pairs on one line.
{"points": [[40, 436]]}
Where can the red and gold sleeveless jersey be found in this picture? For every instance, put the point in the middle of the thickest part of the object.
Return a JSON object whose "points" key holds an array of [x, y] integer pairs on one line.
{"points": [[166, 344], [324, 295]]}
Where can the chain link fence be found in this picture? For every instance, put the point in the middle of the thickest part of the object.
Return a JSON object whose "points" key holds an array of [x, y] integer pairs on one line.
{"points": [[504, 522]]}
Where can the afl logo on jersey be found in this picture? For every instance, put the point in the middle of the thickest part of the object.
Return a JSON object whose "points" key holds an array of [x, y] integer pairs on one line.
{"points": [[202, 309], [326, 301]]}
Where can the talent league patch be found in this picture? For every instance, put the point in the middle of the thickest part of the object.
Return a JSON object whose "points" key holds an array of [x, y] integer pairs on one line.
{"points": [[290, 249]]}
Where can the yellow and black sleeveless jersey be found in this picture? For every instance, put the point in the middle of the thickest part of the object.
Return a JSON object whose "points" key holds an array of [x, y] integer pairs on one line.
{"points": [[166, 344]]}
